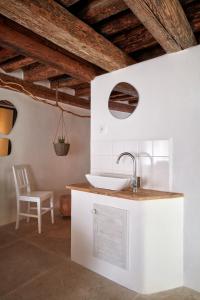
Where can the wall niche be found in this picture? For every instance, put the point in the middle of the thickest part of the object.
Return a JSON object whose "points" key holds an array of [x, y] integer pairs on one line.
{"points": [[8, 116]]}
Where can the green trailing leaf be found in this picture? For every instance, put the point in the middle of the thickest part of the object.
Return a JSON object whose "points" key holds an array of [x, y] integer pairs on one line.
{"points": [[61, 139]]}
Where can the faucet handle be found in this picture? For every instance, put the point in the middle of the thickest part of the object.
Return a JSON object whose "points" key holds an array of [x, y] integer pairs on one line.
{"points": [[138, 182]]}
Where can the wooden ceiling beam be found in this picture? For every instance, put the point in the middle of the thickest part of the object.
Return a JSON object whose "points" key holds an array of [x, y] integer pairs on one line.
{"points": [[49, 94], [148, 53], [122, 89], [193, 14], [16, 63], [81, 85], [185, 2], [63, 82], [40, 72], [166, 21], [116, 94], [83, 92], [126, 89], [44, 92], [98, 10], [134, 39], [125, 98], [7, 54], [120, 23], [121, 107], [29, 47], [59, 26]]}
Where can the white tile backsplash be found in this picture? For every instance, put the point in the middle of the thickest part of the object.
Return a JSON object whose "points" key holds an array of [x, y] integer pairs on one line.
{"points": [[122, 146], [146, 171], [161, 173], [145, 148], [161, 148], [154, 160], [125, 165], [131, 146]]}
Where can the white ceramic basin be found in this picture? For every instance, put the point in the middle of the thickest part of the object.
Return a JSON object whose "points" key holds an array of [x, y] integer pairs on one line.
{"points": [[115, 182]]}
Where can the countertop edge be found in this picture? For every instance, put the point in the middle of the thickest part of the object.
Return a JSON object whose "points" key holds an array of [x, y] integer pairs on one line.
{"points": [[141, 195]]}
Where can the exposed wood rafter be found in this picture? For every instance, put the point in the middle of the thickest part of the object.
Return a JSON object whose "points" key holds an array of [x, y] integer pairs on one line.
{"points": [[44, 92], [40, 72], [95, 11], [70, 42], [63, 82], [37, 50], [122, 107], [48, 94], [59, 26], [124, 98], [123, 88], [6, 54], [82, 91], [123, 22], [126, 89], [134, 39], [148, 53], [193, 14], [166, 21], [16, 63]]}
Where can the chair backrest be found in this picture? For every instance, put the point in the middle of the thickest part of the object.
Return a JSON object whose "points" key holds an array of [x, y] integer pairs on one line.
{"points": [[21, 179]]}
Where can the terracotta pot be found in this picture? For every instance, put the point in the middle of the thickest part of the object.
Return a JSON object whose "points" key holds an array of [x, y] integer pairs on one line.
{"points": [[61, 149]]}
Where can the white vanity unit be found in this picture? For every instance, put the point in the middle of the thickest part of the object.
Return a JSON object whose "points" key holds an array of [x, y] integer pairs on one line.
{"points": [[134, 239]]}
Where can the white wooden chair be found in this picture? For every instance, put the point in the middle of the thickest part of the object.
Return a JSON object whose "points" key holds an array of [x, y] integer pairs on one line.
{"points": [[25, 194]]}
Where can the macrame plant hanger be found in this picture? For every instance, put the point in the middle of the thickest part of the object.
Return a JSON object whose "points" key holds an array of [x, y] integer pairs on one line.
{"points": [[61, 141]]}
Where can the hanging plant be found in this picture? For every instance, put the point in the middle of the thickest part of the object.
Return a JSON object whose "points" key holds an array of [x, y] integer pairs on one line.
{"points": [[61, 148], [60, 143]]}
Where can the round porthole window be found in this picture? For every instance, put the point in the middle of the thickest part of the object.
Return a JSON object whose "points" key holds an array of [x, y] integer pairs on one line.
{"points": [[123, 100]]}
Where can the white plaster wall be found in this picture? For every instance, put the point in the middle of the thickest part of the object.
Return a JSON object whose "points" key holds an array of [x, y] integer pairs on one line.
{"points": [[31, 140], [169, 108]]}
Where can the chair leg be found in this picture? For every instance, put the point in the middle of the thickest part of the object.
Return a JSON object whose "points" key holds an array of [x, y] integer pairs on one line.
{"points": [[52, 210], [17, 217], [28, 211], [39, 217]]}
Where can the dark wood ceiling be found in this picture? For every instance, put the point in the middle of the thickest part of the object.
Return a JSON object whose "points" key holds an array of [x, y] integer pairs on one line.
{"points": [[69, 42]]}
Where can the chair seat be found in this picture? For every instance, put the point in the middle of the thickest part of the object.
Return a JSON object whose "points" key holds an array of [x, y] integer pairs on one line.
{"points": [[35, 195]]}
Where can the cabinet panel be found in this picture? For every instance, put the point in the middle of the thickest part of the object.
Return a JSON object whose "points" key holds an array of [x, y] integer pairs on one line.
{"points": [[110, 234]]}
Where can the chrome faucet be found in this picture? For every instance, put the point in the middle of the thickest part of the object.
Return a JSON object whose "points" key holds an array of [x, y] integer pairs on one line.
{"points": [[133, 156]]}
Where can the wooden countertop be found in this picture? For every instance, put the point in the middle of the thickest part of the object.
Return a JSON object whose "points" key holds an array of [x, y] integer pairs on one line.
{"points": [[141, 194]]}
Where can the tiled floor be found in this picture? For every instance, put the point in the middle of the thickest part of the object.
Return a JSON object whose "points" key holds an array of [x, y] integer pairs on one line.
{"points": [[38, 267]]}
